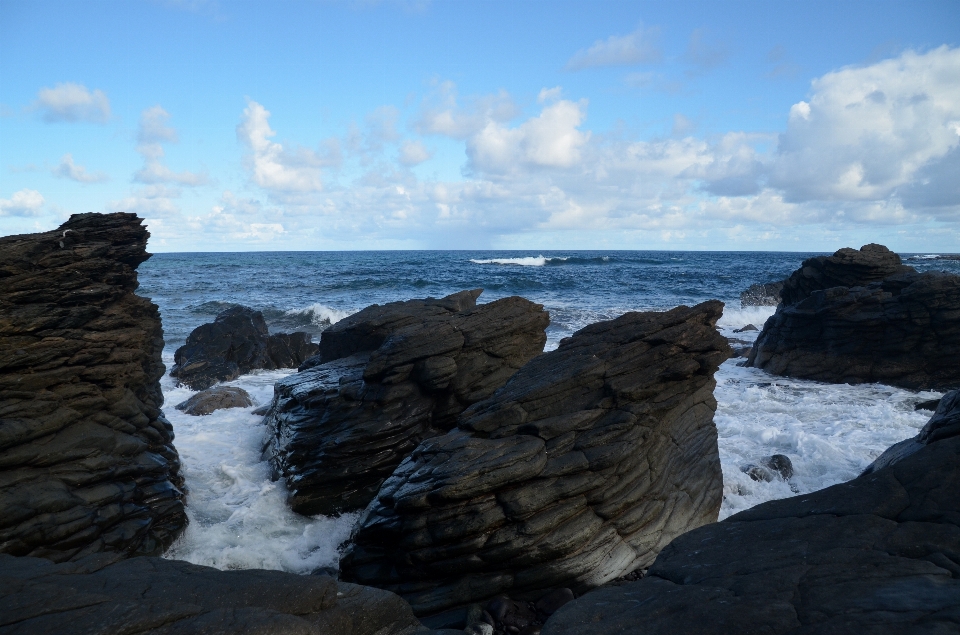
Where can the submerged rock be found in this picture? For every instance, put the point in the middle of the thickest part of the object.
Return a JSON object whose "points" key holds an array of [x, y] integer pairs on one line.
{"points": [[385, 379], [770, 468], [87, 461], [762, 294], [236, 343], [580, 469], [216, 398], [879, 554], [167, 597], [862, 316]]}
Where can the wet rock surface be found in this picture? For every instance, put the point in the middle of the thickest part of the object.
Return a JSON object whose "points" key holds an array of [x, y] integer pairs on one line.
{"points": [[385, 379], [879, 554], [216, 398], [767, 294], [861, 317], [236, 343], [97, 595], [580, 469], [87, 462]]}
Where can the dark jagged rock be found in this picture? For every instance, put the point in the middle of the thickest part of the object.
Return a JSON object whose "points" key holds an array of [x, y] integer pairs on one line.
{"points": [[770, 468], [580, 469], [861, 316], [166, 597], [236, 343], [343, 423], [879, 554], [87, 461], [216, 398], [930, 404], [761, 294]]}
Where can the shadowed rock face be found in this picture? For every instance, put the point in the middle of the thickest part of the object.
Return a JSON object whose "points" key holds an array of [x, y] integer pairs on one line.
{"points": [[236, 343], [167, 597], [343, 423], [87, 461], [879, 554], [580, 469], [861, 316]]}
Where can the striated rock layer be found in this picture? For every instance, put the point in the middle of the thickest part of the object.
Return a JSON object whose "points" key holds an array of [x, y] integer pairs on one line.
{"points": [[879, 554], [580, 469], [862, 316], [385, 379], [87, 461]]}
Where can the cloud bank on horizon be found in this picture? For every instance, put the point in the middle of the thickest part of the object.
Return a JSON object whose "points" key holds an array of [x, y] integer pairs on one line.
{"points": [[867, 151]]}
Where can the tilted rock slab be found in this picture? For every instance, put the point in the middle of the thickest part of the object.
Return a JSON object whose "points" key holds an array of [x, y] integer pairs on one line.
{"points": [[87, 461], [385, 379], [580, 469], [862, 316], [237, 342], [96, 595], [878, 554]]}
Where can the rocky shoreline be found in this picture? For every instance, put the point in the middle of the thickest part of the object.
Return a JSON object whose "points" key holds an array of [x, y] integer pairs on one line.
{"points": [[502, 489]]}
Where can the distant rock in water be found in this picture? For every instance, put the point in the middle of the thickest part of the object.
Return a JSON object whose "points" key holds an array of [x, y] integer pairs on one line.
{"points": [[878, 554], [580, 469], [862, 316], [87, 462], [213, 399], [385, 379], [762, 294], [236, 343]]}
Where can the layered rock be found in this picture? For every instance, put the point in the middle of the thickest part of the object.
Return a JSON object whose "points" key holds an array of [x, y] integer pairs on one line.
{"points": [[235, 343], [167, 597], [862, 316], [87, 461], [581, 468], [385, 379], [879, 554]]}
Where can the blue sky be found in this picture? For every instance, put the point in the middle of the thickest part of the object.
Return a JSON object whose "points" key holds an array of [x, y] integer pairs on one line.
{"points": [[510, 125]]}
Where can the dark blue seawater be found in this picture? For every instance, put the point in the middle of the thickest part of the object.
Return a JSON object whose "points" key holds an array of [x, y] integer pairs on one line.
{"points": [[304, 290]]}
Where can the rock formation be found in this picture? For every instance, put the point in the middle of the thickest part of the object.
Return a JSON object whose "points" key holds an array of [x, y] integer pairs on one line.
{"points": [[862, 316], [236, 343], [87, 462], [167, 597], [581, 468], [879, 554], [762, 294], [216, 398], [386, 378]]}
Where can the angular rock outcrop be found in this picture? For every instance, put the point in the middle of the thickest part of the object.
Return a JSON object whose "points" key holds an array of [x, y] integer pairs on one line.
{"points": [[217, 398], [862, 316], [580, 469], [236, 343], [879, 554], [87, 461], [386, 378], [767, 294], [167, 597]]}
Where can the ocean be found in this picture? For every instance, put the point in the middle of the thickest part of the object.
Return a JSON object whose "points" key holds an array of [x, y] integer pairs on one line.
{"points": [[238, 515]]}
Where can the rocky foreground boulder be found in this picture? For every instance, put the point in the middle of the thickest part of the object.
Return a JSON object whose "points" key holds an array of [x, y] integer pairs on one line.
{"points": [[97, 595], [87, 462], [580, 469], [862, 316], [237, 342], [217, 398], [385, 379], [879, 554]]}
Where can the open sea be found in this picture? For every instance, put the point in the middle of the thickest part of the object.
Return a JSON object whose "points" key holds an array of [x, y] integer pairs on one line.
{"points": [[238, 516]]}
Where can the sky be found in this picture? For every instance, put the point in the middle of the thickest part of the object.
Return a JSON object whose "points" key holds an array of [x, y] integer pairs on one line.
{"points": [[529, 125]]}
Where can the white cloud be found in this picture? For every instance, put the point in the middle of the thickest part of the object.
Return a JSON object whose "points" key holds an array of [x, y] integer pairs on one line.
{"points": [[22, 203], [413, 153], [70, 170], [152, 201], [639, 47], [152, 133], [72, 102], [271, 166], [442, 114]]}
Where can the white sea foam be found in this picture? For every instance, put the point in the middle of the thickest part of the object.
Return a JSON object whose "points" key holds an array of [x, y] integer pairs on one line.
{"points": [[239, 518], [924, 257], [736, 318], [528, 261], [320, 314]]}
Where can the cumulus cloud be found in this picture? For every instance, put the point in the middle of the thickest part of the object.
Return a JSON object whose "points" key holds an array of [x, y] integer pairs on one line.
{"points": [[152, 201], [70, 170], [152, 133], [442, 113], [639, 47], [272, 166], [22, 203], [72, 102], [413, 153]]}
